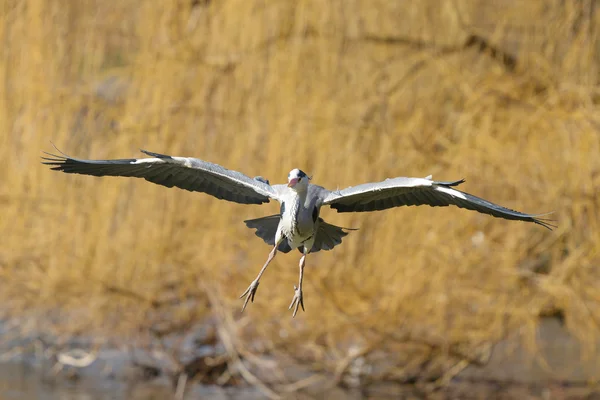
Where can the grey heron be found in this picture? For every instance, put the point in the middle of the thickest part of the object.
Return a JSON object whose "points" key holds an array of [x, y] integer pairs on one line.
{"points": [[298, 224]]}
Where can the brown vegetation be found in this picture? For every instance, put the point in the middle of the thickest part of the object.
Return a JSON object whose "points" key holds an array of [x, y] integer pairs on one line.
{"points": [[505, 96]]}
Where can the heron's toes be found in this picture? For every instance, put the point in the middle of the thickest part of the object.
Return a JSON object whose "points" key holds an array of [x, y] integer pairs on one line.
{"points": [[249, 293], [296, 301]]}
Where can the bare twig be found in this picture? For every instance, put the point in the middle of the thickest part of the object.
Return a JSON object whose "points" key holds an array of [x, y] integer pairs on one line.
{"points": [[224, 330], [181, 383]]}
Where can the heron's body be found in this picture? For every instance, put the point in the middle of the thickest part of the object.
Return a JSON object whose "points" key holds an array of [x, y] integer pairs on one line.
{"points": [[298, 225], [299, 217]]}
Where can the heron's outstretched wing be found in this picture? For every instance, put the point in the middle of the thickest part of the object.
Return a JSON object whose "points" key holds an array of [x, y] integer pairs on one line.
{"points": [[398, 192], [186, 173]]}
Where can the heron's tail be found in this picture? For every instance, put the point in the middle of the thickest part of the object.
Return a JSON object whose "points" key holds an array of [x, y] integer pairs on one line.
{"points": [[328, 236]]}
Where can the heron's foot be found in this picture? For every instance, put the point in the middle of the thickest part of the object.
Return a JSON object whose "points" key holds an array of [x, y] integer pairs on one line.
{"points": [[249, 293], [296, 301]]}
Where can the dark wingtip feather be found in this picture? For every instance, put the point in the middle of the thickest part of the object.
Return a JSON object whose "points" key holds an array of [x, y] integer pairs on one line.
{"points": [[58, 161], [57, 149], [54, 160], [450, 184], [157, 155], [547, 223]]}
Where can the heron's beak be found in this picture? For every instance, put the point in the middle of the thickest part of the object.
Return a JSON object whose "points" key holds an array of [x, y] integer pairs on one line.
{"points": [[292, 182]]}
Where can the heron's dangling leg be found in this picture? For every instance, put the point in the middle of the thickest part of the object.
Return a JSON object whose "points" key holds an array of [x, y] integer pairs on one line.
{"points": [[297, 299], [251, 291]]}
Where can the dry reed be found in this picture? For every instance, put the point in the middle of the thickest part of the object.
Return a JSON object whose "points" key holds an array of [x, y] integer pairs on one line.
{"points": [[349, 92]]}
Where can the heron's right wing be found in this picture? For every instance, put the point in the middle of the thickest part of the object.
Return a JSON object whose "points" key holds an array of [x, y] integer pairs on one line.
{"points": [[183, 172]]}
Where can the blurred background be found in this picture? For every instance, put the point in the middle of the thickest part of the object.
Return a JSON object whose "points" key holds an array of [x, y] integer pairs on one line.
{"points": [[426, 301]]}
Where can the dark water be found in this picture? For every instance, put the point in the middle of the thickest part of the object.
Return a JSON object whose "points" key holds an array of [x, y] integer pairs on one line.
{"points": [[32, 373], [562, 374], [23, 381], [20, 380]]}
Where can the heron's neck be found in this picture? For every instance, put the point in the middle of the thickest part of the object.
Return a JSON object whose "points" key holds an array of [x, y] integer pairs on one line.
{"points": [[299, 196], [295, 203]]}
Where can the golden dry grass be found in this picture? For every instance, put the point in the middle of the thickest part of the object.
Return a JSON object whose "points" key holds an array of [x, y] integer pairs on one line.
{"points": [[349, 92]]}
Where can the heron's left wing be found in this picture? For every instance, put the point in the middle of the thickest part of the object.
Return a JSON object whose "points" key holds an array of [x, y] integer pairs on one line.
{"points": [[398, 192], [183, 172]]}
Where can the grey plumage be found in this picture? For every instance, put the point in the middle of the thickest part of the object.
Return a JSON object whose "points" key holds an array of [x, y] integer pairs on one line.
{"points": [[182, 172], [398, 192], [326, 238], [266, 228], [298, 225]]}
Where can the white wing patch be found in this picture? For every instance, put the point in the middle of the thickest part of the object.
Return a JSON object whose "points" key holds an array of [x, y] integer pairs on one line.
{"points": [[185, 161], [148, 160], [451, 192]]}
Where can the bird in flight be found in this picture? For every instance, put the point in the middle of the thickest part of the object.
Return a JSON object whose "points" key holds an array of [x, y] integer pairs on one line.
{"points": [[298, 224]]}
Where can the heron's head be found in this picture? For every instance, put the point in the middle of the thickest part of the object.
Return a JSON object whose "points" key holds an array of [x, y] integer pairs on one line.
{"points": [[298, 180]]}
